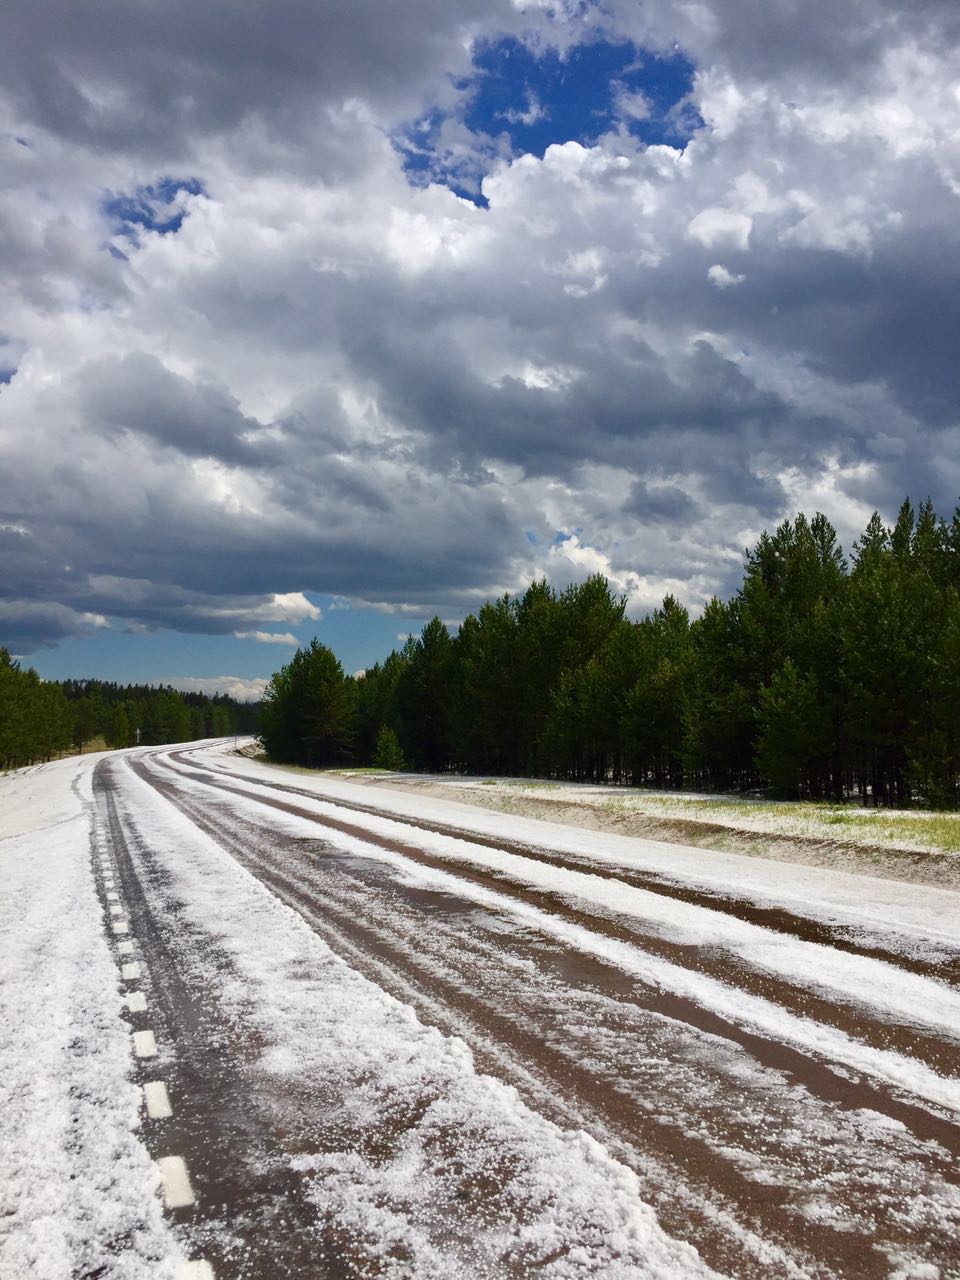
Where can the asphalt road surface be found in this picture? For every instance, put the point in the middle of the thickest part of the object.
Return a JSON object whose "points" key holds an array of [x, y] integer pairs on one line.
{"points": [[398, 1039]]}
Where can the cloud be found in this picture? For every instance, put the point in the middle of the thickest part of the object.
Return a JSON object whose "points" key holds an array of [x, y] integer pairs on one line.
{"points": [[312, 372], [719, 275], [244, 690], [28, 625], [268, 637]]}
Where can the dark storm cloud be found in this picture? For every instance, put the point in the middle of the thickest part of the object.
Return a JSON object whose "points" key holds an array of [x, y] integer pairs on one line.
{"points": [[663, 504], [793, 41], [28, 625], [153, 80], [136, 393], [622, 401]]}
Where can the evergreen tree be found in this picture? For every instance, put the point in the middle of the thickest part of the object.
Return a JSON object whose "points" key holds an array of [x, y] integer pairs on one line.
{"points": [[388, 754], [794, 732], [308, 710]]}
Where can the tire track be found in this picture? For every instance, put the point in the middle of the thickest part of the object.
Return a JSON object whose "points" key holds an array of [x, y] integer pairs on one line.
{"points": [[777, 919], [238, 1166], [858, 1023], [612, 1109]]}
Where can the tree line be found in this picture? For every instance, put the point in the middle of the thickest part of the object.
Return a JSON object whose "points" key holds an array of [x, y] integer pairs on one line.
{"points": [[39, 719], [821, 678]]}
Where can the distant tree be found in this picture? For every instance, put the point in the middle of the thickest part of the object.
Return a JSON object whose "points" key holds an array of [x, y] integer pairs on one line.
{"points": [[84, 721], [119, 735], [794, 731], [424, 697], [815, 679], [654, 705], [720, 716], [388, 754], [308, 710]]}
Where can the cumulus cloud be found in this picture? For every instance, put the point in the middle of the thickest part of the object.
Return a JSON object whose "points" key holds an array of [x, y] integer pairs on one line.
{"points": [[268, 637], [719, 275], [248, 357], [238, 687], [26, 625]]}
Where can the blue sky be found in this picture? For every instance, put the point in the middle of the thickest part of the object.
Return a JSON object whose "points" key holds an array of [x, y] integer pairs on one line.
{"points": [[529, 98], [150, 208], [359, 638], [330, 309]]}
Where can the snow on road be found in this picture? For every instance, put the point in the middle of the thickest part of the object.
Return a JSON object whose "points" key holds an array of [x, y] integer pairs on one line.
{"points": [[901, 996], [568, 1208], [77, 1187], [922, 918], [408, 1038]]}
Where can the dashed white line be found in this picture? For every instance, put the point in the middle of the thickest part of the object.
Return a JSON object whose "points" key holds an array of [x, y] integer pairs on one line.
{"points": [[177, 1191], [136, 1002], [120, 926], [116, 909], [125, 948], [157, 1100], [113, 897], [130, 972], [144, 1044]]}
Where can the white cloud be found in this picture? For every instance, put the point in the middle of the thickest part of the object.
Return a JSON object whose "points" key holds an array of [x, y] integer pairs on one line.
{"points": [[239, 687], [715, 226], [291, 606], [268, 637], [534, 112], [722, 278]]}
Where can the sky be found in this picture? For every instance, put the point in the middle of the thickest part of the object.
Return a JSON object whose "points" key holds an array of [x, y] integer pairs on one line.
{"points": [[321, 318]]}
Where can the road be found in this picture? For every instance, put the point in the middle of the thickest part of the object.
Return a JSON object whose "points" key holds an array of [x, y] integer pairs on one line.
{"points": [[400, 1038]]}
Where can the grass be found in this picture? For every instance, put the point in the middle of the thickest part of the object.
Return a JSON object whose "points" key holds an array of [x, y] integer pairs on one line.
{"points": [[916, 828], [99, 743], [919, 829], [367, 768], [343, 770]]}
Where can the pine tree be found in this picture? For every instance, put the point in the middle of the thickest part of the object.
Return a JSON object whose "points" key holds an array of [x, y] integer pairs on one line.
{"points": [[388, 754]]}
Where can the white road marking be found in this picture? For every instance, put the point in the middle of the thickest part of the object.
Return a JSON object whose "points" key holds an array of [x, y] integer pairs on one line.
{"points": [[120, 926], [144, 1044], [199, 1269], [157, 1100], [116, 909], [113, 897], [137, 1002], [130, 972], [125, 948], [177, 1192]]}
